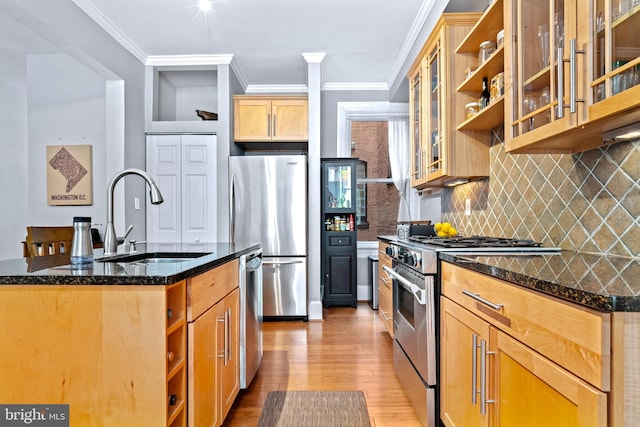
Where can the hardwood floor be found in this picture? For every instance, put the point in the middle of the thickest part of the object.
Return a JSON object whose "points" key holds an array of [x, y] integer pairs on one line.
{"points": [[349, 350]]}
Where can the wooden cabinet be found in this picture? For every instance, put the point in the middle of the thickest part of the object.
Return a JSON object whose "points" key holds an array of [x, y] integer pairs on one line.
{"points": [[116, 354], [573, 70], [120, 355], [512, 357], [614, 78], [214, 346], [263, 119], [462, 333], [339, 237], [176, 354], [440, 154], [533, 391], [385, 289], [486, 29], [228, 350]]}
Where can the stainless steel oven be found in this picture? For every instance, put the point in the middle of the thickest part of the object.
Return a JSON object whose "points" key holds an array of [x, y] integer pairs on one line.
{"points": [[416, 288], [414, 324]]}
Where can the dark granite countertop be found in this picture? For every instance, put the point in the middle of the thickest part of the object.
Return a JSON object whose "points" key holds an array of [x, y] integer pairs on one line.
{"points": [[601, 282], [388, 238], [55, 269]]}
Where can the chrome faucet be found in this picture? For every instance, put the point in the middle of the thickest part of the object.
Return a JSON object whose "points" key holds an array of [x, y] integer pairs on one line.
{"points": [[111, 241]]}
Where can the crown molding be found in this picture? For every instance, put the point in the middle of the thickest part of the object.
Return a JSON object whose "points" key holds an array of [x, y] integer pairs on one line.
{"points": [[189, 60], [423, 15], [277, 89], [237, 71], [354, 86], [115, 32], [314, 57], [326, 87]]}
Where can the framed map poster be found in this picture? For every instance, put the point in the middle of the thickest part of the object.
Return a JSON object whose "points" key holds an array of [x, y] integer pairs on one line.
{"points": [[69, 175]]}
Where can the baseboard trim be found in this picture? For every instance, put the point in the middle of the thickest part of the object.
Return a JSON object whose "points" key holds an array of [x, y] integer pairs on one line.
{"points": [[315, 310]]}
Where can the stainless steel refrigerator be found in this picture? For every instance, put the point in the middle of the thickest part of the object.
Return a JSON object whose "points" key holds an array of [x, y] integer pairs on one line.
{"points": [[268, 204]]}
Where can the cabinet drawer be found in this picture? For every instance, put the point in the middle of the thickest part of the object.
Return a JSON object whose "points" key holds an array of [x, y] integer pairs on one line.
{"points": [[340, 240], [206, 289], [385, 310], [384, 281], [576, 338]]}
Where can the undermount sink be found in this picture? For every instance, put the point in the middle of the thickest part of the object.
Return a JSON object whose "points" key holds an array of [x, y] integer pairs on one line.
{"points": [[161, 260], [155, 257]]}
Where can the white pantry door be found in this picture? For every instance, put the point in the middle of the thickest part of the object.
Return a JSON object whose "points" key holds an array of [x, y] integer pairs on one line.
{"points": [[184, 167]]}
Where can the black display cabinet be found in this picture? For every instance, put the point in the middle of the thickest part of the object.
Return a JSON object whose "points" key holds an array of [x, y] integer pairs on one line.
{"points": [[339, 241]]}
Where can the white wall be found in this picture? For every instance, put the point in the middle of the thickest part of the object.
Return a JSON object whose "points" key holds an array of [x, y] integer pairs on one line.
{"points": [[13, 143], [66, 105], [57, 69]]}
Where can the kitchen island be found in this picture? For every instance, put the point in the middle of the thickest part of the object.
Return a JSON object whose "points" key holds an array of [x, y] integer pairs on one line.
{"points": [[558, 333], [121, 342]]}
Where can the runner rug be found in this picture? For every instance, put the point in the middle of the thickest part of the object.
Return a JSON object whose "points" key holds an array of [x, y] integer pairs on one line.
{"points": [[314, 408]]}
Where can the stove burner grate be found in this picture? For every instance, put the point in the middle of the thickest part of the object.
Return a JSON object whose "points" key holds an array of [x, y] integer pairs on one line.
{"points": [[476, 242]]}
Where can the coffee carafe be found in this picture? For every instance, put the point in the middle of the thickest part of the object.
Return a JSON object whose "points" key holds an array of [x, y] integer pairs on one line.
{"points": [[82, 246]]}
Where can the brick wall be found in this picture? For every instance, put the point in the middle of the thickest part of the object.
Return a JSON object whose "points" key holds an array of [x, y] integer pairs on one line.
{"points": [[371, 145]]}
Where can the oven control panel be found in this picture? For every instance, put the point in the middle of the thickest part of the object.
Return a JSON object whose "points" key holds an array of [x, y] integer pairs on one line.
{"points": [[410, 257], [419, 258]]}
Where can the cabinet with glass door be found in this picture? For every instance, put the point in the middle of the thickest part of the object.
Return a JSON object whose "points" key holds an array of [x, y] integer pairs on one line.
{"points": [[339, 237], [418, 173], [615, 79], [573, 68], [441, 154]]}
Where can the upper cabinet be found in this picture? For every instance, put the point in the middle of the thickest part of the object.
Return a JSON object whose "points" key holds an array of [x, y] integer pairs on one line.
{"points": [[488, 33], [572, 73], [615, 54], [442, 155], [270, 119]]}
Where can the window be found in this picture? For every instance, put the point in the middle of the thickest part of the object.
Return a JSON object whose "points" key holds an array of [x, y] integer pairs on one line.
{"points": [[380, 211]]}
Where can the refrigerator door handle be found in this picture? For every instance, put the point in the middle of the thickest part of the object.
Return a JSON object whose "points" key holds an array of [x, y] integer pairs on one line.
{"points": [[265, 262], [232, 220]]}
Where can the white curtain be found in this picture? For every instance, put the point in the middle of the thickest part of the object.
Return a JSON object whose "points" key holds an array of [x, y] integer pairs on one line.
{"points": [[400, 163]]}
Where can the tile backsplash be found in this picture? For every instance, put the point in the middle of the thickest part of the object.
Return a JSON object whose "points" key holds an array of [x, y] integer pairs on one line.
{"points": [[588, 201]]}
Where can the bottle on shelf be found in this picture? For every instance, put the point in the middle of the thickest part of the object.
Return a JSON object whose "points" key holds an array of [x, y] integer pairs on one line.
{"points": [[351, 223], [485, 95]]}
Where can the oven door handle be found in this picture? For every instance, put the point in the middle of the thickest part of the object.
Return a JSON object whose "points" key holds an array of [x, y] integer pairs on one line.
{"points": [[418, 293]]}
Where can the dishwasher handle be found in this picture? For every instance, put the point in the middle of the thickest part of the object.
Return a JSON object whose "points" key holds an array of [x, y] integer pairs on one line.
{"points": [[270, 262], [252, 260]]}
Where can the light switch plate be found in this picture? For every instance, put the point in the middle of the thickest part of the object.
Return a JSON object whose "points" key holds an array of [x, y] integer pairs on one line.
{"points": [[467, 207]]}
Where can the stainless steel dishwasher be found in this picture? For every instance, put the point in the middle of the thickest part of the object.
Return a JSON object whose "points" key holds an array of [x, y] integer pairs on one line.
{"points": [[250, 316]]}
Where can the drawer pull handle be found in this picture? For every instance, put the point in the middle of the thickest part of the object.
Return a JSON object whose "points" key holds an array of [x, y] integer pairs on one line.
{"points": [[483, 377], [478, 298]]}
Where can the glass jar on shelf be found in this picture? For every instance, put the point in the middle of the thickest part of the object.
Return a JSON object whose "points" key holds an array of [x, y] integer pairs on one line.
{"points": [[487, 48]]}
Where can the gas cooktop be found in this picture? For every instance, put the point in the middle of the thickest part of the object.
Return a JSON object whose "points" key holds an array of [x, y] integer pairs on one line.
{"points": [[421, 252], [469, 242]]}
